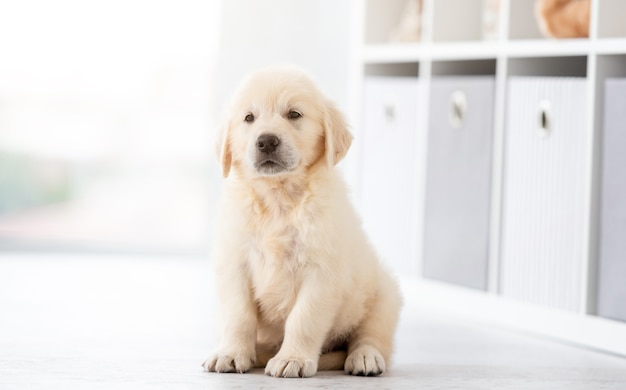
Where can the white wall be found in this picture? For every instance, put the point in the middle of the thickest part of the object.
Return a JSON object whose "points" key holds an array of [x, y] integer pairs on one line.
{"points": [[312, 34]]}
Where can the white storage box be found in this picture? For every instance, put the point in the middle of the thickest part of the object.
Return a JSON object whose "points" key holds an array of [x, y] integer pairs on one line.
{"points": [[388, 167], [543, 220]]}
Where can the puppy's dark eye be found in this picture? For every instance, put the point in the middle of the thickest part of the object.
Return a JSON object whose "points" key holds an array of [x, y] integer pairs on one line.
{"points": [[249, 118], [294, 114]]}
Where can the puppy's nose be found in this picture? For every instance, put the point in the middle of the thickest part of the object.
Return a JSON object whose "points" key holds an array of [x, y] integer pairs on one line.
{"points": [[267, 143]]}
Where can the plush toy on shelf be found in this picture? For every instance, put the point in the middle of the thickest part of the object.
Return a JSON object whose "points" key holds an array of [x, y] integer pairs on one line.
{"points": [[563, 18], [409, 28]]}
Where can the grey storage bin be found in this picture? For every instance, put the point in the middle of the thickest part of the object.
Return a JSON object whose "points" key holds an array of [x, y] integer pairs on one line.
{"points": [[612, 267], [458, 180]]}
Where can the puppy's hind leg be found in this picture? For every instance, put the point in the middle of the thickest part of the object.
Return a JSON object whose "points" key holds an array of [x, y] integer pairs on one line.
{"points": [[332, 361], [264, 353], [371, 345]]}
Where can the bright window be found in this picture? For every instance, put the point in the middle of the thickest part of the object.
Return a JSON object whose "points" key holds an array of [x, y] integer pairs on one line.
{"points": [[105, 124]]}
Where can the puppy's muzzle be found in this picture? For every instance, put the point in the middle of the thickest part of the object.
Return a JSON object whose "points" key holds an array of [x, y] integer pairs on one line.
{"points": [[271, 155], [267, 143]]}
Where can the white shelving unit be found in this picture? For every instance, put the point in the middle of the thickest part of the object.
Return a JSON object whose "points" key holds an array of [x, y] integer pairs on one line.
{"points": [[452, 45]]}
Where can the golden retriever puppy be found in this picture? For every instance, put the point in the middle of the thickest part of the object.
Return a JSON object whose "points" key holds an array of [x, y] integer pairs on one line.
{"points": [[299, 285]]}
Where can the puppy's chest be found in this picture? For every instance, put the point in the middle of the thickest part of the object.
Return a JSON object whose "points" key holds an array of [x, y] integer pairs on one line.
{"points": [[279, 255], [278, 250], [280, 238]]}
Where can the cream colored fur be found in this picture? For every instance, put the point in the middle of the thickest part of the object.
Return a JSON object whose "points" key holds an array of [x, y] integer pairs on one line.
{"points": [[299, 285]]}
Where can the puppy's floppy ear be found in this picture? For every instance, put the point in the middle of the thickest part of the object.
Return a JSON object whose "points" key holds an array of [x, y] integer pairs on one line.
{"points": [[223, 148], [336, 133]]}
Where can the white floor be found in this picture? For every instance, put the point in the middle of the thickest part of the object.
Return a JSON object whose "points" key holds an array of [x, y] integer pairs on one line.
{"points": [[100, 322]]}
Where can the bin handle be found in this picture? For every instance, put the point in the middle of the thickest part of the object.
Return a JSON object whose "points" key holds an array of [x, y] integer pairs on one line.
{"points": [[544, 119], [458, 109]]}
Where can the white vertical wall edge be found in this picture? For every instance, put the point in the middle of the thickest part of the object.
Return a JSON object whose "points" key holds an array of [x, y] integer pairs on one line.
{"points": [[355, 89]]}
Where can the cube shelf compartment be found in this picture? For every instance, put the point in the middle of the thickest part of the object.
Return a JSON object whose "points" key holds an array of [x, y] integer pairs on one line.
{"points": [[569, 191]]}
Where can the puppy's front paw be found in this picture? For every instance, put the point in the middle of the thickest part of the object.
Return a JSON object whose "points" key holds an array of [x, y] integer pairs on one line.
{"points": [[229, 362], [291, 367], [365, 361]]}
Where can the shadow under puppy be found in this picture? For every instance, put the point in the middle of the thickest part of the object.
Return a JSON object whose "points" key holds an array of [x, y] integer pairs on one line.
{"points": [[299, 285]]}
